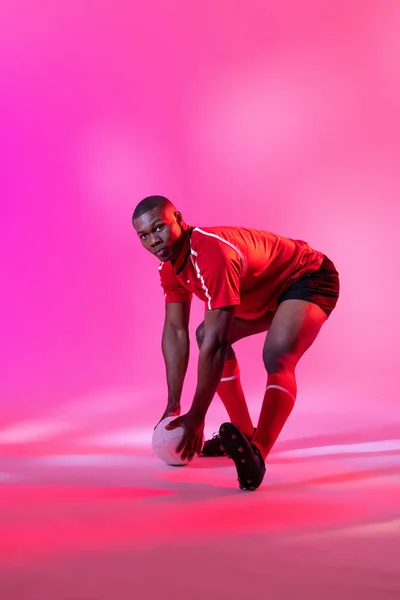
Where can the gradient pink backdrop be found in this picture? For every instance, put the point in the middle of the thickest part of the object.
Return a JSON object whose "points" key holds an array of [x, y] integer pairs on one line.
{"points": [[279, 115]]}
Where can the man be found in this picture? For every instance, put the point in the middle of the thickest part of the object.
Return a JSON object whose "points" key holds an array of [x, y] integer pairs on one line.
{"points": [[251, 281]]}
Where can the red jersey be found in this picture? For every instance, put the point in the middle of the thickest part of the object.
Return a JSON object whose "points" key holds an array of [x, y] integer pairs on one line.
{"points": [[235, 266]]}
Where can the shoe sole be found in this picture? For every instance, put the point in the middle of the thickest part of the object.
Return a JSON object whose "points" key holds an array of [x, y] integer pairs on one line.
{"points": [[237, 447]]}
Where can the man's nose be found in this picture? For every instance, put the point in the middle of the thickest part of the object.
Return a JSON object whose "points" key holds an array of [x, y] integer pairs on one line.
{"points": [[155, 240]]}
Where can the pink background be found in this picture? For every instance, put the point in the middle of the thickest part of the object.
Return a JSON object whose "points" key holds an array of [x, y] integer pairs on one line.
{"points": [[282, 116]]}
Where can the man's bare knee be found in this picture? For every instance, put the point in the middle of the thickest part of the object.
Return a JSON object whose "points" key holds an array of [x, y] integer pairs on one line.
{"points": [[276, 361], [200, 333]]}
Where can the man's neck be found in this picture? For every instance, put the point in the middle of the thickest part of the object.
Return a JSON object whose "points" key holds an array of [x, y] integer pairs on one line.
{"points": [[183, 245]]}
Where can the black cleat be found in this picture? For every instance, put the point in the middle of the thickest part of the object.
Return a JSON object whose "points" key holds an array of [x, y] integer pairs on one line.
{"points": [[215, 447], [249, 463]]}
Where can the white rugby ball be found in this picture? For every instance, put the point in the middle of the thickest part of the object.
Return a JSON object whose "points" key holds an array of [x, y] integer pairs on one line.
{"points": [[165, 443]]}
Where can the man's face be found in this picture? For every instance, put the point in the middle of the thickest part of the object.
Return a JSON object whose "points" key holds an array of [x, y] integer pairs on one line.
{"points": [[160, 232]]}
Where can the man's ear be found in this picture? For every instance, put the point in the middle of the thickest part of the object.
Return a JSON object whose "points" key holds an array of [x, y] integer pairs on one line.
{"points": [[178, 217]]}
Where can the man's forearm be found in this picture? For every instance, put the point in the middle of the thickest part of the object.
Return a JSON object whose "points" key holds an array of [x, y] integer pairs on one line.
{"points": [[211, 364], [175, 348]]}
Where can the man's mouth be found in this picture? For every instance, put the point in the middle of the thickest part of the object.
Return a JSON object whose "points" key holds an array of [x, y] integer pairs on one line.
{"points": [[161, 253]]}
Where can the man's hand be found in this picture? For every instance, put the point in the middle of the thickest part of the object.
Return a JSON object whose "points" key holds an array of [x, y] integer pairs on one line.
{"points": [[192, 441], [169, 412]]}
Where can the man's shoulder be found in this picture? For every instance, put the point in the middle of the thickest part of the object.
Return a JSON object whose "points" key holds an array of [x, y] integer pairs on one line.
{"points": [[215, 235], [241, 239], [216, 230], [219, 246], [211, 240]]}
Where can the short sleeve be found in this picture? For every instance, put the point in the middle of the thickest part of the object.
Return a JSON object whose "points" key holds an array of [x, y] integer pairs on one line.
{"points": [[173, 290], [218, 267]]}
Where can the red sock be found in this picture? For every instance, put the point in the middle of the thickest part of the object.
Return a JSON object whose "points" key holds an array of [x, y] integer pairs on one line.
{"points": [[232, 396], [277, 405]]}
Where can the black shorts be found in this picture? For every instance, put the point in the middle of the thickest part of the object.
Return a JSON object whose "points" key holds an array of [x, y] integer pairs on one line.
{"points": [[320, 287]]}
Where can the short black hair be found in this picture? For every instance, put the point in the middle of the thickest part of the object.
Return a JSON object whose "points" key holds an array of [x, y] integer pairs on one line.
{"points": [[149, 203]]}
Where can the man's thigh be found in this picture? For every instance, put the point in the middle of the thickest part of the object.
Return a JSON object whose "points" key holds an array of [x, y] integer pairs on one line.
{"points": [[242, 328], [293, 329]]}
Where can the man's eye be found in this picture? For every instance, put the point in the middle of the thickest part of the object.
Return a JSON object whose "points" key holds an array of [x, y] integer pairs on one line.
{"points": [[159, 227], [144, 236]]}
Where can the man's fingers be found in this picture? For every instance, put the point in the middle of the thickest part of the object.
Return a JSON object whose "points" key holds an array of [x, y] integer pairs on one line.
{"points": [[182, 443], [187, 454], [191, 450], [199, 445], [188, 450], [174, 424], [191, 442], [192, 447]]}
